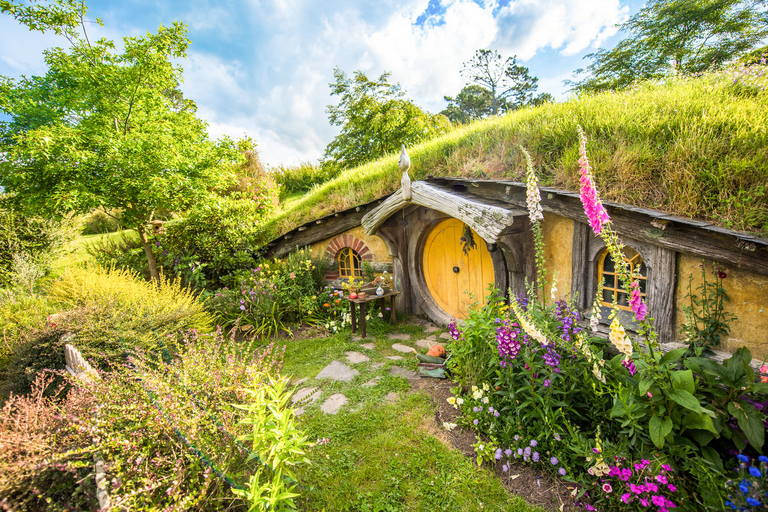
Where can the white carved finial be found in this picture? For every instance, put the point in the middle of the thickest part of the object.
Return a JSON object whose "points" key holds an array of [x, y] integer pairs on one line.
{"points": [[405, 182]]}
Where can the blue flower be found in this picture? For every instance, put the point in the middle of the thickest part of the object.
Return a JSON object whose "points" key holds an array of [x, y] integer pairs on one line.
{"points": [[762, 458], [742, 458], [743, 488], [755, 472], [753, 502], [730, 504]]}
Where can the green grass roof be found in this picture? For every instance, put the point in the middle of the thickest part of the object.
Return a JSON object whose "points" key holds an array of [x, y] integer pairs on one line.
{"points": [[693, 147]]}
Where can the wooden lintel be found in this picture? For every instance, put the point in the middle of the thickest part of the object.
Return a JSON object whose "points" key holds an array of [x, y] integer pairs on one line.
{"points": [[487, 220]]}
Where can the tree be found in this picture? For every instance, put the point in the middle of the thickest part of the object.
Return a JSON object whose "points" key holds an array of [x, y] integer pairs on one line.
{"points": [[503, 78], [375, 119], [676, 36], [472, 103], [106, 130]]}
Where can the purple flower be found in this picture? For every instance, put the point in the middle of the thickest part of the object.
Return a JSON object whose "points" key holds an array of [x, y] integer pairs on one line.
{"points": [[534, 443], [535, 457], [475, 422], [508, 452], [629, 365], [554, 461], [546, 383], [561, 471]]}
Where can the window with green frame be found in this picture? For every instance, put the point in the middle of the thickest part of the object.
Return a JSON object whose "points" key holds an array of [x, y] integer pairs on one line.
{"points": [[612, 285], [349, 263]]}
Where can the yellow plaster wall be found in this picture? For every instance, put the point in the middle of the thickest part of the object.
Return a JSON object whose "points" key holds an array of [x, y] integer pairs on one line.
{"points": [[558, 250], [749, 302], [374, 243]]}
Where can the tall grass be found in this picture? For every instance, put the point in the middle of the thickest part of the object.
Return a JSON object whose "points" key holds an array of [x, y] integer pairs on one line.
{"points": [[694, 147]]}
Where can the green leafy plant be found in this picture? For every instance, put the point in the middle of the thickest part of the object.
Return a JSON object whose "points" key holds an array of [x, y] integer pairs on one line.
{"points": [[706, 320], [276, 443]]}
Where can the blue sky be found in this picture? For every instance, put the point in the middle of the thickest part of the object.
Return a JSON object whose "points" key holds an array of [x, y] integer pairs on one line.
{"points": [[262, 67]]}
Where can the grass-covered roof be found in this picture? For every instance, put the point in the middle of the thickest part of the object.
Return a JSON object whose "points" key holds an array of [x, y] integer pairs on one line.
{"points": [[693, 147]]}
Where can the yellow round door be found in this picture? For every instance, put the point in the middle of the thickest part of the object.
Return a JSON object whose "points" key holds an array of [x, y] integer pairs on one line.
{"points": [[452, 275]]}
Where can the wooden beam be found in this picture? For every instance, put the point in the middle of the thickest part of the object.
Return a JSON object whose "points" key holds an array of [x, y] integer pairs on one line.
{"points": [[330, 227], [701, 238], [486, 218]]}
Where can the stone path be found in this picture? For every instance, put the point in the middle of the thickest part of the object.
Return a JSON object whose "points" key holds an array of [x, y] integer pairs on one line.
{"points": [[341, 372], [337, 371]]}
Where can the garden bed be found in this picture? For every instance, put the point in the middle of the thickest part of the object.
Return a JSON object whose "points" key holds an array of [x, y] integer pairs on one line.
{"points": [[535, 487]]}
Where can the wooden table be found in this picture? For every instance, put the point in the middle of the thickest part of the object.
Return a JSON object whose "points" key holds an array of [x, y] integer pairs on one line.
{"points": [[370, 298]]}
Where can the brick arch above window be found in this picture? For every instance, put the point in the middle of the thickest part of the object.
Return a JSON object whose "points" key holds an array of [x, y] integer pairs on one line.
{"points": [[347, 240]]}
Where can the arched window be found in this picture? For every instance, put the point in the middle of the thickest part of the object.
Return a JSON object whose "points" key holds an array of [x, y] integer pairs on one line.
{"points": [[349, 263], [613, 286]]}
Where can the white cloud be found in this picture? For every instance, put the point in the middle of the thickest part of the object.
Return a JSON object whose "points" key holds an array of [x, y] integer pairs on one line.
{"points": [[527, 26], [262, 67]]}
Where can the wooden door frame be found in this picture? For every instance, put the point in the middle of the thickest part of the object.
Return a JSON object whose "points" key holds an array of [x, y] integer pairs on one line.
{"points": [[421, 226]]}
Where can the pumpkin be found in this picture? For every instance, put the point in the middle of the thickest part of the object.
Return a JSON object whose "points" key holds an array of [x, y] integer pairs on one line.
{"points": [[353, 295], [437, 351]]}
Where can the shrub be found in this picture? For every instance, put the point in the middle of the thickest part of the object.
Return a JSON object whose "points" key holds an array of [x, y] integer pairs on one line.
{"points": [[212, 241], [20, 313], [109, 312], [100, 221], [38, 239], [166, 427], [43, 464], [274, 295]]}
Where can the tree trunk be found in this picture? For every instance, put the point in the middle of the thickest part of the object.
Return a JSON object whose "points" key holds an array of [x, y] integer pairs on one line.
{"points": [[148, 251]]}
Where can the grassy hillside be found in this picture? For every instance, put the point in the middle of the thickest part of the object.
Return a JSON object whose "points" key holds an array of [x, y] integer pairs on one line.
{"points": [[694, 147]]}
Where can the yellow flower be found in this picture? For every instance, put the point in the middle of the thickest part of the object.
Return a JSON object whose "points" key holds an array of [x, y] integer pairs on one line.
{"points": [[619, 337]]}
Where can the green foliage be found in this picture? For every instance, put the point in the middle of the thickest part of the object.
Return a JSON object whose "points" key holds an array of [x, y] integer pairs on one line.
{"points": [[503, 78], [20, 313], [473, 102], [677, 36], [137, 145], [375, 119], [276, 442], [21, 236], [302, 177], [267, 299], [215, 239], [706, 320], [100, 221]]}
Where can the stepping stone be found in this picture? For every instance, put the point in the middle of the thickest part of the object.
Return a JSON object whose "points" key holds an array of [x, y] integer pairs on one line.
{"points": [[402, 348], [376, 366], [431, 329], [394, 358], [396, 371], [446, 336], [356, 338], [369, 346], [300, 381], [306, 395], [334, 403], [391, 397], [337, 371], [372, 382], [399, 336], [431, 338], [357, 357], [427, 344]]}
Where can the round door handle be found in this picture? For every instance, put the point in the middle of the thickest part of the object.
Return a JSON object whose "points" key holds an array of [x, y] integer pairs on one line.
{"points": [[455, 270]]}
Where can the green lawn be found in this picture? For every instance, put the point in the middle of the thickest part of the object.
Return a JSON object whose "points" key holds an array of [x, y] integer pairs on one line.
{"points": [[381, 456]]}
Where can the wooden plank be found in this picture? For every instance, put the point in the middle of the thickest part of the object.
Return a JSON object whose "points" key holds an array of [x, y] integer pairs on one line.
{"points": [[661, 284], [579, 263]]}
